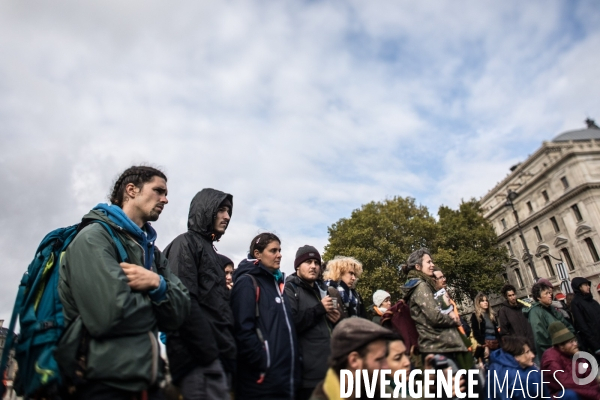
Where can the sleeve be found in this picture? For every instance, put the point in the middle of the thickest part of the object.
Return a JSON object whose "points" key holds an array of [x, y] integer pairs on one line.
{"points": [[107, 305], [585, 329], [477, 334], [304, 318], [503, 322], [243, 305], [174, 308], [423, 298], [558, 374], [196, 330], [540, 332]]}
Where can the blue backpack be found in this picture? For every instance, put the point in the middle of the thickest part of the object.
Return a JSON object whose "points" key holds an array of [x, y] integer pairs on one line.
{"points": [[41, 319]]}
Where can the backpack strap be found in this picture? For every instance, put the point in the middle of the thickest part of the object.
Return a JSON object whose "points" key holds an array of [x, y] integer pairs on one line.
{"points": [[256, 309], [122, 253]]}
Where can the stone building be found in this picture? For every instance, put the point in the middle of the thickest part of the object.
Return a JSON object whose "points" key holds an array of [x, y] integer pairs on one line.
{"points": [[557, 202]]}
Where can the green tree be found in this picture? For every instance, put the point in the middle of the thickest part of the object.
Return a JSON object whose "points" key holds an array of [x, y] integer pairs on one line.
{"points": [[382, 235], [468, 251]]}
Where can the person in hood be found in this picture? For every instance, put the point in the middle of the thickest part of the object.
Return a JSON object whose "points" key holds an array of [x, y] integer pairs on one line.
{"points": [[268, 357], [342, 274], [382, 300], [541, 314], [120, 306], [512, 373], [511, 320], [315, 315], [585, 313], [227, 265], [559, 360], [202, 352]]}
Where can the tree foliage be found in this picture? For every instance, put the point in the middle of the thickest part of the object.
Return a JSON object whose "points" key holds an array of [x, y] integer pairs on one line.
{"points": [[383, 234]]}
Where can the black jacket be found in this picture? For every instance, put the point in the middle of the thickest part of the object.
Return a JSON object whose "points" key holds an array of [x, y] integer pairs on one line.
{"points": [[512, 322], [586, 312], [207, 333], [479, 329], [277, 357], [312, 327]]}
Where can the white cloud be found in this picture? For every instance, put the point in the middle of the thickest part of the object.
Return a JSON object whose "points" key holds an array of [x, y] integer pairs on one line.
{"points": [[302, 110]]}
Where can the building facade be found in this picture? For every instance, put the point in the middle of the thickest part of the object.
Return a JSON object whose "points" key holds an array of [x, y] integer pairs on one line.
{"points": [[557, 202]]}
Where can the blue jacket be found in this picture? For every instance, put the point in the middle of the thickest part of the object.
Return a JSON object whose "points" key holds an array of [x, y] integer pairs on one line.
{"points": [[521, 384], [277, 357]]}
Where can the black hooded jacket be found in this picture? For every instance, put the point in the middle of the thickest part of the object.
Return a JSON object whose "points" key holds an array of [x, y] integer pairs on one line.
{"points": [[312, 326], [585, 313], [277, 357], [207, 333], [512, 322]]}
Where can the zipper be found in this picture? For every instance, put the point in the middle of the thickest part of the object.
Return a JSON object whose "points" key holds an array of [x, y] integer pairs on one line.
{"points": [[268, 355], [140, 246], [154, 344], [291, 339]]}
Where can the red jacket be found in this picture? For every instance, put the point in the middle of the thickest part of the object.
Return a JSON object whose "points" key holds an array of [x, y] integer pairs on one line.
{"points": [[555, 361]]}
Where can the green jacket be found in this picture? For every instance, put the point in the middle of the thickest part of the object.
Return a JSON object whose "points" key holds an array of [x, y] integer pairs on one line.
{"points": [[122, 324], [438, 333], [540, 318]]}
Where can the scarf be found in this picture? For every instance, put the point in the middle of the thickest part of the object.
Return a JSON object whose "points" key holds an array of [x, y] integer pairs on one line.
{"points": [[412, 274]]}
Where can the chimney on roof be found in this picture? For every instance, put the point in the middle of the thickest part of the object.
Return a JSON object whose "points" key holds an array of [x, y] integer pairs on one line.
{"points": [[591, 124]]}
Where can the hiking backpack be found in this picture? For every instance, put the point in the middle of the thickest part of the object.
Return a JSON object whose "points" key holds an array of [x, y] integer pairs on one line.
{"points": [[40, 313]]}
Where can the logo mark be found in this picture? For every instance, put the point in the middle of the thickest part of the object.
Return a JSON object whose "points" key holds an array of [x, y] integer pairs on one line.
{"points": [[582, 367]]}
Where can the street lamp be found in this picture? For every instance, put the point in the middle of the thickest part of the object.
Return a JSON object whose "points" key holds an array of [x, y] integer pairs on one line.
{"points": [[510, 197]]}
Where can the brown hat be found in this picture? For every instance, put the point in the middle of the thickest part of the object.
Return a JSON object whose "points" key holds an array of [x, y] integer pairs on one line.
{"points": [[353, 333], [559, 333]]}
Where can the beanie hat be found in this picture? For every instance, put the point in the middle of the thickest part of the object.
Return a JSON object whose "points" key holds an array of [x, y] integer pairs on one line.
{"points": [[224, 261], [560, 296], [304, 253], [353, 333], [379, 296], [545, 282], [559, 333], [598, 287]]}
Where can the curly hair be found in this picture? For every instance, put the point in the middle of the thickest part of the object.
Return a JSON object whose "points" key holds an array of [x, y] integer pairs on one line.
{"points": [[337, 267], [507, 288], [138, 175]]}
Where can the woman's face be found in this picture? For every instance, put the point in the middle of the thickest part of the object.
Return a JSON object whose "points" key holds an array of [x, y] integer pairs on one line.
{"points": [[349, 277], [525, 360], [484, 304], [387, 303], [546, 297], [270, 256], [229, 275], [397, 359]]}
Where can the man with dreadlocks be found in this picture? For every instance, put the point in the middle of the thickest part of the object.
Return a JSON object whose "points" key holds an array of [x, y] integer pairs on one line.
{"points": [[202, 353], [113, 305]]}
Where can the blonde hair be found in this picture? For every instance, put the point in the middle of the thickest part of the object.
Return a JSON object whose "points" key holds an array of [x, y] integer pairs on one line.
{"points": [[480, 311], [337, 267]]}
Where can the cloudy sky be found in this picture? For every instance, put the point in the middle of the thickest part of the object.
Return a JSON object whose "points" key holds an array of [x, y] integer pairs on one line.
{"points": [[303, 110]]}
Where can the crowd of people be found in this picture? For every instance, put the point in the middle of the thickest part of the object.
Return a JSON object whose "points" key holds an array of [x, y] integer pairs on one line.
{"points": [[248, 332]]}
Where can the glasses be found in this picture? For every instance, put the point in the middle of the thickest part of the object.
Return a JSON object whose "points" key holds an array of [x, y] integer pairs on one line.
{"points": [[440, 278]]}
